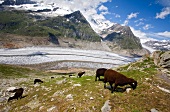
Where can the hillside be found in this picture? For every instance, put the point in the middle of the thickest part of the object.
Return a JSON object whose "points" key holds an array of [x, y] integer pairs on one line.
{"points": [[71, 26], [64, 93]]}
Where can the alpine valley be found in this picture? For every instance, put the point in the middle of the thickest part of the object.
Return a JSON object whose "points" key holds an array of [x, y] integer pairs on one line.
{"points": [[25, 25]]}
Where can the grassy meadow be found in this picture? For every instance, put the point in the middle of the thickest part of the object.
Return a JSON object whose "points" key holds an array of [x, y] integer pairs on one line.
{"points": [[87, 95]]}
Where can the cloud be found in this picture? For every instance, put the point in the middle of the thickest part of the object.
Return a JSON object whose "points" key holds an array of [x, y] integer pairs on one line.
{"points": [[147, 26], [141, 19], [165, 12], [76, 4], [126, 22], [132, 15], [139, 24], [164, 3], [164, 34], [87, 7], [103, 8], [143, 36], [116, 15]]}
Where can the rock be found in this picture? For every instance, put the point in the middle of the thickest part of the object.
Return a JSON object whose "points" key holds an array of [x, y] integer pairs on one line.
{"points": [[41, 108], [1, 93], [106, 107], [77, 85], [163, 89], [156, 57], [6, 109], [69, 97], [57, 93], [36, 85], [161, 59], [33, 104], [91, 98], [61, 81], [2, 99], [154, 110], [11, 89], [128, 90], [51, 109], [52, 99], [165, 60], [147, 79]]}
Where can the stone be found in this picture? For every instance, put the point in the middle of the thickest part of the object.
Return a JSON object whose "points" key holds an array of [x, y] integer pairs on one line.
{"points": [[128, 90], [2, 99], [165, 60], [106, 107], [156, 57], [69, 97], [11, 88], [51, 109], [77, 85], [154, 110], [61, 81], [91, 98]]}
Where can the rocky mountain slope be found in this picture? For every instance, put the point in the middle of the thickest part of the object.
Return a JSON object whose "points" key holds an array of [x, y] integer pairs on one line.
{"points": [[72, 26], [122, 36]]}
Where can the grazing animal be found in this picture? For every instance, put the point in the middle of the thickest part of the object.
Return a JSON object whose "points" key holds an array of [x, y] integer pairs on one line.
{"points": [[100, 72], [52, 77], [38, 81], [119, 79], [18, 94], [70, 75], [80, 74]]}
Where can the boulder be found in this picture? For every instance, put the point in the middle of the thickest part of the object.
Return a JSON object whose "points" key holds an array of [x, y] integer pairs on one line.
{"points": [[165, 60], [156, 57], [106, 107], [161, 59]]}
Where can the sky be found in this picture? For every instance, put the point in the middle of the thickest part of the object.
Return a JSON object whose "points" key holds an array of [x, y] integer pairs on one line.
{"points": [[146, 18], [150, 18]]}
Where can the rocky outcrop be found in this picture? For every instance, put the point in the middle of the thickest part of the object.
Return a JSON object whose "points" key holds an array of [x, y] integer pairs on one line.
{"points": [[161, 59], [165, 60], [156, 57]]}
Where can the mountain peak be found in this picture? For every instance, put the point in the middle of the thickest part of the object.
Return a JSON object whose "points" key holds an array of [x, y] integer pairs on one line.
{"points": [[78, 16]]}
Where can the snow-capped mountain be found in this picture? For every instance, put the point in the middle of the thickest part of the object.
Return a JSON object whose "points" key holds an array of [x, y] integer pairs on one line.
{"points": [[61, 8], [163, 45], [100, 25]]}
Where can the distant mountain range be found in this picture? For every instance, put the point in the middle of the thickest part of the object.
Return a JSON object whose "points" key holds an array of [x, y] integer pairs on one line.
{"points": [[159, 45], [38, 22]]}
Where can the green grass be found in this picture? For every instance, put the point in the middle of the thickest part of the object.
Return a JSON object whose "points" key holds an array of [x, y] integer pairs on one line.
{"points": [[145, 97], [8, 71], [21, 23]]}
